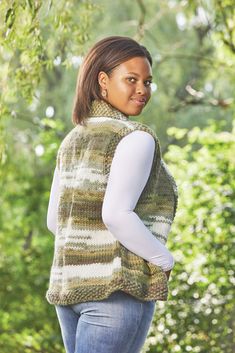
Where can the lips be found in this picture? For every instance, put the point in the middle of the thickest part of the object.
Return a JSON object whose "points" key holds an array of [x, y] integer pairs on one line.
{"points": [[139, 101]]}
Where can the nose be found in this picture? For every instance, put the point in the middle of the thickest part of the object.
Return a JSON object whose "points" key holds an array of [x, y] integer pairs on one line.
{"points": [[141, 88]]}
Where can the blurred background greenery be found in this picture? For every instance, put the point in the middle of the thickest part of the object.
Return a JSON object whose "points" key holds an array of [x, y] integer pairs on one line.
{"points": [[192, 111]]}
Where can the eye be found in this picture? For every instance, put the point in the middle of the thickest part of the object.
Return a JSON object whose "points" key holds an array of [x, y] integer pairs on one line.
{"points": [[148, 83], [131, 79]]}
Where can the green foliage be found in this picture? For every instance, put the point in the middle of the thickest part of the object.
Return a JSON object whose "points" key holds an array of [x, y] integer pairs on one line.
{"points": [[27, 322], [33, 34], [198, 317]]}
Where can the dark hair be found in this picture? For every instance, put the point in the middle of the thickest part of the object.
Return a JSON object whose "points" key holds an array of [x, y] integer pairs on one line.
{"points": [[105, 55]]}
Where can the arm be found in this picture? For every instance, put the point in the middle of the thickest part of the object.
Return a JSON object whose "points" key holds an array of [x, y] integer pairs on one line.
{"points": [[129, 173], [53, 203]]}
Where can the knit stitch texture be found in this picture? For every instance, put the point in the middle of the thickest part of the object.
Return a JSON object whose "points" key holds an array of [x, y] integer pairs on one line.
{"points": [[89, 263]]}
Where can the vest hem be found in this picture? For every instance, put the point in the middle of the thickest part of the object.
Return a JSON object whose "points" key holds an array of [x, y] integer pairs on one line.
{"points": [[95, 293]]}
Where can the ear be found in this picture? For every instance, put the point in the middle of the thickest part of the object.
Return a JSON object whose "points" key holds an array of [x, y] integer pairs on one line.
{"points": [[102, 79]]}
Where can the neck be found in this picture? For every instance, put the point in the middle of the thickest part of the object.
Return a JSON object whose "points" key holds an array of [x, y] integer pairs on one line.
{"points": [[100, 108]]}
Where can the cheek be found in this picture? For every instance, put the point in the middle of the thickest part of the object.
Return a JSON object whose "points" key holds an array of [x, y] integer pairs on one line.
{"points": [[121, 88], [149, 92]]}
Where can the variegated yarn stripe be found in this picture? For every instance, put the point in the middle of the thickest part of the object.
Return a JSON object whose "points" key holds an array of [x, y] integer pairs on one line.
{"points": [[89, 263]]}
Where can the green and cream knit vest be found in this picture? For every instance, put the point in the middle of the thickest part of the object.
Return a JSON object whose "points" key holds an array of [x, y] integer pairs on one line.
{"points": [[89, 263]]}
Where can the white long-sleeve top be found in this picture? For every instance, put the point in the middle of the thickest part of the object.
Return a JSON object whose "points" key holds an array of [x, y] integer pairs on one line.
{"points": [[129, 172]]}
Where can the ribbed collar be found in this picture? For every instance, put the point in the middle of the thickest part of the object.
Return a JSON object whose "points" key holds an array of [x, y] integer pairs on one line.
{"points": [[100, 108]]}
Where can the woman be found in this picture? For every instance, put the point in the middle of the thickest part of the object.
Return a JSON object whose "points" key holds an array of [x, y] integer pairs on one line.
{"points": [[112, 204]]}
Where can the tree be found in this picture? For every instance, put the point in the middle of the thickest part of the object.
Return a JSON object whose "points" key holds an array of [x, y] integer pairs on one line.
{"points": [[198, 317], [34, 37]]}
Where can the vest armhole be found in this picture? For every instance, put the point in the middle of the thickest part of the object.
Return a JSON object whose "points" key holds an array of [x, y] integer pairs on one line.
{"points": [[112, 145], [58, 161]]}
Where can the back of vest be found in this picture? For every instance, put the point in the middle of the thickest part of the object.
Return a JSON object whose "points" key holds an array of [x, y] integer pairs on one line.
{"points": [[89, 262]]}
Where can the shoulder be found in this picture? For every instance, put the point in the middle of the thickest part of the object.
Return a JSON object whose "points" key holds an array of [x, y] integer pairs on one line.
{"points": [[138, 140], [71, 137], [126, 127], [138, 126]]}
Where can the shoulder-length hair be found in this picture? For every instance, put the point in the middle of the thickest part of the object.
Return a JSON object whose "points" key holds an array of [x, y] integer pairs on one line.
{"points": [[105, 55]]}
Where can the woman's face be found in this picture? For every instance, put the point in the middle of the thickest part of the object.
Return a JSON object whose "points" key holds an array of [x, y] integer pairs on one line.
{"points": [[128, 87]]}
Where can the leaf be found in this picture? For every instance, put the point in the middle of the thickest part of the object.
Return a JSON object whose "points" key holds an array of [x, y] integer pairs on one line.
{"points": [[10, 17]]}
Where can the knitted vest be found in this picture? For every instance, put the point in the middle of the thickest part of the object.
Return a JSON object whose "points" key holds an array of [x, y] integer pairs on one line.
{"points": [[89, 263]]}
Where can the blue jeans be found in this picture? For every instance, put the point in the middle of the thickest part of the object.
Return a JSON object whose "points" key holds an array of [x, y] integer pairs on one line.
{"points": [[117, 324]]}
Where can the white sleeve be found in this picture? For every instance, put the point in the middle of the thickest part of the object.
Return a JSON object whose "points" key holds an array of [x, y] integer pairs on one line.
{"points": [[129, 172], [53, 203]]}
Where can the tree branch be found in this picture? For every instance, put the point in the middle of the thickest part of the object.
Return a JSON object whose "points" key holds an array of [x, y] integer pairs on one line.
{"points": [[229, 43], [140, 26]]}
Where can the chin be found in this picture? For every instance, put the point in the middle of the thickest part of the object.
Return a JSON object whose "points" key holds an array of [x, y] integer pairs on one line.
{"points": [[135, 112]]}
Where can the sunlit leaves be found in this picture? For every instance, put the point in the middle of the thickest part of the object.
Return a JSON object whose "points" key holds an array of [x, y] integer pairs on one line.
{"points": [[201, 286]]}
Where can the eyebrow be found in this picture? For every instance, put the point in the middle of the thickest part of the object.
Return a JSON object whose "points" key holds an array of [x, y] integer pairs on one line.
{"points": [[134, 73]]}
